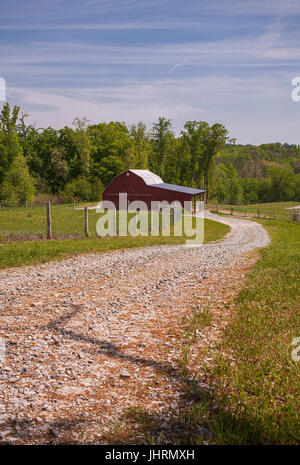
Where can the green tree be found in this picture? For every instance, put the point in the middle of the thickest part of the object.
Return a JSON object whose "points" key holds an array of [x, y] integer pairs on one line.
{"points": [[58, 170], [204, 143], [17, 183], [82, 144], [81, 189], [162, 139], [111, 150], [193, 138], [228, 186], [109, 167], [214, 138], [10, 146], [40, 148], [282, 184], [184, 157], [173, 163], [141, 145], [297, 187]]}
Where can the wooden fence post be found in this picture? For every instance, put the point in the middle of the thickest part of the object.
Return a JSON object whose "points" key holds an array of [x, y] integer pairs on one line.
{"points": [[231, 210], [217, 207], [86, 221], [49, 225], [257, 213], [245, 211]]}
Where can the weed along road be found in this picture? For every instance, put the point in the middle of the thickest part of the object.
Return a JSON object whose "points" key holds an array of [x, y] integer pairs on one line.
{"points": [[94, 343]]}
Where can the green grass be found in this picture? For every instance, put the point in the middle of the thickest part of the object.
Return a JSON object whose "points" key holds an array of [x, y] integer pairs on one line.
{"points": [[29, 252], [258, 395]]}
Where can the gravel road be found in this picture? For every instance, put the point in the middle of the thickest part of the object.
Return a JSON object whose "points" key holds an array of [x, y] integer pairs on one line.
{"points": [[245, 235], [94, 336]]}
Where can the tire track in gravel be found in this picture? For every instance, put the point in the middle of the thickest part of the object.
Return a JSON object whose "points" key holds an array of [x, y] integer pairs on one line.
{"points": [[91, 336]]}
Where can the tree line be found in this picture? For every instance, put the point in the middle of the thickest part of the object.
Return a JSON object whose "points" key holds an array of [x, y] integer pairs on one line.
{"points": [[246, 174], [78, 162]]}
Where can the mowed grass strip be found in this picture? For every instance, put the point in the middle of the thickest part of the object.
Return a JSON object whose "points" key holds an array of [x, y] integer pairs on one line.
{"points": [[258, 383], [30, 252]]}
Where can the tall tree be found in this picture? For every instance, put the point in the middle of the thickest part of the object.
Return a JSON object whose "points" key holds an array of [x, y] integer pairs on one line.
{"points": [[193, 137], [214, 138], [82, 144], [17, 185], [58, 170], [228, 186], [111, 150], [282, 184], [141, 146], [204, 143], [10, 146], [162, 138], [39, 148]]}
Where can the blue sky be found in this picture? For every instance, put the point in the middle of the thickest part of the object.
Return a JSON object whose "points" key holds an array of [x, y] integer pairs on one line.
{"points": [[222, 61]]}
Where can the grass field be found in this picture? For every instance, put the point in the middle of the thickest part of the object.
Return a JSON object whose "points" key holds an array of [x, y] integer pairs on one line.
{"points": [[17, 253], [258, 394]]}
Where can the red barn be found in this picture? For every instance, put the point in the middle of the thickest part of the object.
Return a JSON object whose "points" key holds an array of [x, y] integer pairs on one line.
{"points": [[148, 187]]}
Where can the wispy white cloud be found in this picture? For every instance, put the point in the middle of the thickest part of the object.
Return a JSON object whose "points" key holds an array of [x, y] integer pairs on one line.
{"points": [[248, 50], [250, 107]]}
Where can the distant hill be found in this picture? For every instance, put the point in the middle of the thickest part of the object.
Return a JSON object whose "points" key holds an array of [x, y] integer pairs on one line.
{"points": [[253, 161], [250, 173]]}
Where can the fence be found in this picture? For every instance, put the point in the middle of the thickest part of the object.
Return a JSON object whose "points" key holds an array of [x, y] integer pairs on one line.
{"points": [[60, 221], [295, 216], [256, 211], [13, 204], [41, 201]]}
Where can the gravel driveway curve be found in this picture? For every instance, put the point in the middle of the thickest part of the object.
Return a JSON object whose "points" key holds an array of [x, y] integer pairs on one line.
{"points": [[92, 336], [244, 235]]}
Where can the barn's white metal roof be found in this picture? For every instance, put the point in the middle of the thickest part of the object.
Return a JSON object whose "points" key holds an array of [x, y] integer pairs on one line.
{"points": [[149, 177]]}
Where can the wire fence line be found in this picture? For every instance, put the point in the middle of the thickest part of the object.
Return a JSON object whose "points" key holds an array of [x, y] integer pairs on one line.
{"points": [[60, 221], [48, 221], [42, 202], [252, 211]]}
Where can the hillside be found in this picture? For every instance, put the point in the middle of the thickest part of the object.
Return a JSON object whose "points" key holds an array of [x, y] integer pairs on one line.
{"points": [[264, 173]]}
